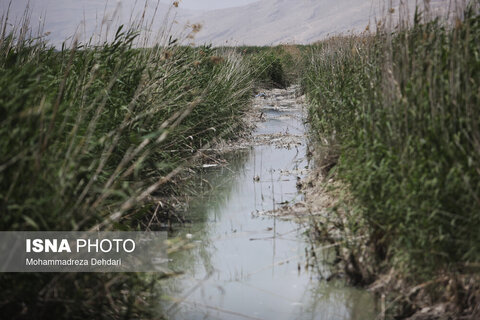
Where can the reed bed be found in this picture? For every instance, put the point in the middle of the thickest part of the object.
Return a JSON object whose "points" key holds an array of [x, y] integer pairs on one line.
{"points": [[91, 137], [399, 110]]}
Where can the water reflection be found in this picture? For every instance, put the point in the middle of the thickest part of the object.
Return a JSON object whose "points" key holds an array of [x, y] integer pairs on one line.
{"points": [[248, 265]]}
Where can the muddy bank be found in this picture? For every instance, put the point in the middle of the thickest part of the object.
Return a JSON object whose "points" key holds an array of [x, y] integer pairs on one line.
{"points": [[363, 261], [235, 256], [271, 166]]}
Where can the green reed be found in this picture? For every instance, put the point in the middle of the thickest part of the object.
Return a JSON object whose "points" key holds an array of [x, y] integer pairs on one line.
{"points": [[91, 137], [403, 109]]}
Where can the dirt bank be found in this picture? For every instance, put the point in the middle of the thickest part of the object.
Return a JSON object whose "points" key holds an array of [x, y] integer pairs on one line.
{"points": [[331, 212]]}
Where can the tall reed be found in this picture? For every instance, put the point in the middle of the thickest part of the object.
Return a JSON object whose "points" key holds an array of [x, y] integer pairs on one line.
{"points": [[403, 107], [90, 139]]}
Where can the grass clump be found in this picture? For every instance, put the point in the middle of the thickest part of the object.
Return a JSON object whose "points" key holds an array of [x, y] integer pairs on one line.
{"points": [[274, 67], [403, 110], [90, 137], [91, 128]]}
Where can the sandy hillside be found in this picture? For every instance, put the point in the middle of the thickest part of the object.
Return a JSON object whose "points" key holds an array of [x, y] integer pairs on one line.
{"points": [[86, 18], [264, 22], [268, 22]]}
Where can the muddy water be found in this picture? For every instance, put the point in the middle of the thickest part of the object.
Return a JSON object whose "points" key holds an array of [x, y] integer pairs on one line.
{"points": [[245, 262]]}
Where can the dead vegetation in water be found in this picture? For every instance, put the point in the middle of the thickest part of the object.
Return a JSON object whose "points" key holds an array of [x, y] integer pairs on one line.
{"points": [[170, 209], [329, 209], [282, 101], [334, 219]]}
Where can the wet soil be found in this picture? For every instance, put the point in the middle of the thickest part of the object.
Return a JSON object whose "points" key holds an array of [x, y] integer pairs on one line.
{"points": [[245, 250]]}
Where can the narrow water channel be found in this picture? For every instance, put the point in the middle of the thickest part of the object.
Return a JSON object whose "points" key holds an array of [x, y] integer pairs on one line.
{"points": [[244, 262]]}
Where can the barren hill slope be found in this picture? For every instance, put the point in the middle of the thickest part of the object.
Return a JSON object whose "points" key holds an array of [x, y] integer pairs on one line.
{"points": [[268, 22]]}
